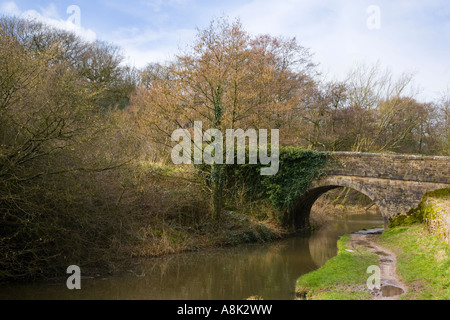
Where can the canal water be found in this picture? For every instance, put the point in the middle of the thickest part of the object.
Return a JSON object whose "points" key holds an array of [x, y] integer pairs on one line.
{"points": [[268, 270]]}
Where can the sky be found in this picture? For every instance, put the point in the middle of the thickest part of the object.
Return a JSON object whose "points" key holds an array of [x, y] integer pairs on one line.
{"points": [[411, 36]]}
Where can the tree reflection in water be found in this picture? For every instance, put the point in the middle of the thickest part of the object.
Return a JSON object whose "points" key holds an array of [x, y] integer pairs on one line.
{"points": [[269, 271]]}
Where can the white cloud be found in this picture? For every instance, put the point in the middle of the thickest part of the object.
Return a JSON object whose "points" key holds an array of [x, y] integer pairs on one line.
{"points": [[50, 11], [10, 9], [143, 46], [414, 34], [411, 39], [48, 15], [335, 31], [140, 58]]}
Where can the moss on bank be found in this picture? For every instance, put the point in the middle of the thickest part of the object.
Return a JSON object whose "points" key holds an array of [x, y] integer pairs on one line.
{"points": [[343, 277], [433, 211]]}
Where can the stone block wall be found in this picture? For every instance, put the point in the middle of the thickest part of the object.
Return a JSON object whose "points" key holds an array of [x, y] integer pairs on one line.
{"points": [[393, 167], [396, 183]]}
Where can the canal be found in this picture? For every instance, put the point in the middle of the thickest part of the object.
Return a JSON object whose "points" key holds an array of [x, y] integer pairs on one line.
{"points": [[267, 270]]}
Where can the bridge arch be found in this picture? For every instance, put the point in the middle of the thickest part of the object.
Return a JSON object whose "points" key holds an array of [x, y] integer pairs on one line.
{"points": [[299, 215], [395, 183]]}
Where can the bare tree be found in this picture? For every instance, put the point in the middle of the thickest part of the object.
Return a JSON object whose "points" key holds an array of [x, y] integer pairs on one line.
{"points": [[227, 80]]}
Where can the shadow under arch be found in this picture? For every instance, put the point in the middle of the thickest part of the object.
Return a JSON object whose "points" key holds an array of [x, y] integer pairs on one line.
{"points": [[298, 216]]}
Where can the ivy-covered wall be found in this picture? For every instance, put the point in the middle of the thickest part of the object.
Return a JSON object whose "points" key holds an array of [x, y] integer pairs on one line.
{"points": [[298, 168]]}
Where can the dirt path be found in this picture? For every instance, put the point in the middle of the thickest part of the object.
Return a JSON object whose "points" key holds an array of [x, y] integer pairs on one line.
{"points": [[391, 285]]}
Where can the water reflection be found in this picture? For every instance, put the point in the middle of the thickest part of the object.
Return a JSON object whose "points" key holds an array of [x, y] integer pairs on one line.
{"points": [[269, 271], [322, 244]]}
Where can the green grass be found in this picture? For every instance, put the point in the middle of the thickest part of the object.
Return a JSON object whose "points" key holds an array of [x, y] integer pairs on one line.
{"points": [[343, 277], [423, 262]]}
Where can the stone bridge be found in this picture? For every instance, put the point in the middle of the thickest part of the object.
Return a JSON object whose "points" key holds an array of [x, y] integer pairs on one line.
{"points": [[395, 183]]}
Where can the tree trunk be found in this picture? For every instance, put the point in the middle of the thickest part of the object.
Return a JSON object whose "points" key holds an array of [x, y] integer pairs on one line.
{"points": [[217, 170], [217, 176]]}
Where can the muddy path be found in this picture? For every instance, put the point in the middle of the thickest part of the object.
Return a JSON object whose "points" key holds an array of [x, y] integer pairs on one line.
{"points": [[391, 286]]}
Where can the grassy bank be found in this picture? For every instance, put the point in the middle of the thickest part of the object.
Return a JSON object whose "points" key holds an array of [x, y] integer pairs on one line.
{"points": [[343, 277], [423, 265], [175, 215], [423, 261], [420, 242]]}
